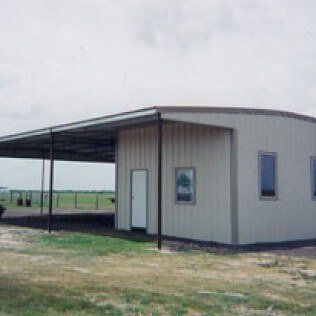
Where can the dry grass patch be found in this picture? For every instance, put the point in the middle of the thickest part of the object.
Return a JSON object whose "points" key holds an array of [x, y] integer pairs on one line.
{"points": [[115, 275]]}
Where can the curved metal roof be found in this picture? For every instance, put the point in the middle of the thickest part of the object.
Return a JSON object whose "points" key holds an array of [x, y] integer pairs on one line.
{"points": [[94, 139], [237, 110]]}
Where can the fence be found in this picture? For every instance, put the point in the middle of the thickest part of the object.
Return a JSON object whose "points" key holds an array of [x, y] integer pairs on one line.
{"points": [[64, 200]]}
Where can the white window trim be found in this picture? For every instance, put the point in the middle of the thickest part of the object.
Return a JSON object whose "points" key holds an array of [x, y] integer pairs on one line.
{"points": [[193, 202], [275, 155]]}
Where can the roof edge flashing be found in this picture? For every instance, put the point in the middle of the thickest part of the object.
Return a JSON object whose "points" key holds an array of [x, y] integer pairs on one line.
{"points": [[82, 124], [39, 132], [236, 110], [107, 119]]}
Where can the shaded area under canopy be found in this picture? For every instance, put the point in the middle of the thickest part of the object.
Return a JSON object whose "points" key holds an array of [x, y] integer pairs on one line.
{"points": [[87, 141]]}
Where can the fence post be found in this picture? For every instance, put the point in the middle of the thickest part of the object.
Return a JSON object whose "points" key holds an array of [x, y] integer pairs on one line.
{"points": [[11, 197], [46, 198], [96, 201], [57, 200], [76, 202]]}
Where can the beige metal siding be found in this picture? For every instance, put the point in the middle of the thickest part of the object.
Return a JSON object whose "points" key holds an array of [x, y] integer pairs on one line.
{"points": [[137, 149], [293, 215], [205, 148]]}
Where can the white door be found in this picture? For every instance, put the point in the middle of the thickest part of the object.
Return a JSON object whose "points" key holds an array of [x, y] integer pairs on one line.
{"points": [[139, 198]]}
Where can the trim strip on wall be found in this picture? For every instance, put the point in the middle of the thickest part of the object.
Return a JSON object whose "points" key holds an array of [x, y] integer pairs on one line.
{"points": [[116, 180], [313, 184], [234, 229], [159, 184]]}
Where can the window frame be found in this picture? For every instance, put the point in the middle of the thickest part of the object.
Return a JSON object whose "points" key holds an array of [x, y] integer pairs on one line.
{"points": [[276, 195], [312, 178], [193, 202]]}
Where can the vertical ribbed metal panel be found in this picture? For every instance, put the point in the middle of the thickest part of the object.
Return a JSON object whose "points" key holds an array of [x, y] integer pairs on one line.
{"points": [[137, 150], [206, 149], [293, 215]]}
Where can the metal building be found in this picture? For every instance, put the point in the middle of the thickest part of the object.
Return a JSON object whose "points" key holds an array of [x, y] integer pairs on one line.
{"points": [[227, 175]]}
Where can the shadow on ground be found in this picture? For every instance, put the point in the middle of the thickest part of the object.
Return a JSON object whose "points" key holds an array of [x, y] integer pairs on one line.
{"points": [[100, 224]]}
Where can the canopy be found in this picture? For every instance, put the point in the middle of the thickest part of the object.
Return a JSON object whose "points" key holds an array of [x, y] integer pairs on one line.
{"points": [[88, 141]]}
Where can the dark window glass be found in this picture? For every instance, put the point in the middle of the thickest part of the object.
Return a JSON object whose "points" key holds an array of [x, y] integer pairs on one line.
{"points": [[185, 190], [314, 177], [267, 175]]}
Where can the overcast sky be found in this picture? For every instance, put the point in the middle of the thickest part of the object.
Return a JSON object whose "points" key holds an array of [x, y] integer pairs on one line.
{"points": [[64, 60]]}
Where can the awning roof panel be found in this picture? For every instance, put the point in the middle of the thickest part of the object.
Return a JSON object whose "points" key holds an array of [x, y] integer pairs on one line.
{"points": [[90, 140]]}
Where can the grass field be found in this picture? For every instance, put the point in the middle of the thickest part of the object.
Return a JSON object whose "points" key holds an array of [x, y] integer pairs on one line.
{"points": [[83, 274], [65, 200]]}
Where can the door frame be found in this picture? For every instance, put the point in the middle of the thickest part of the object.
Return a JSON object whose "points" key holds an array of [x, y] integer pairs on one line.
{"points": [[131, 192]]}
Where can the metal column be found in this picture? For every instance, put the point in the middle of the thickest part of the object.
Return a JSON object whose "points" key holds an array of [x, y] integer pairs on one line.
{"points": [[51, 184], [159, 211], [42, 186]]}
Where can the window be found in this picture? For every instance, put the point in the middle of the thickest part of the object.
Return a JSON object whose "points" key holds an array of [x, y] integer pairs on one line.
{"points": [[267, 175], [185, 185], [313, 176]]}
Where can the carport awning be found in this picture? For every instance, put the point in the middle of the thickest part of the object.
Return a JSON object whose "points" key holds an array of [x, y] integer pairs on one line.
{"points": [[90, 140]]}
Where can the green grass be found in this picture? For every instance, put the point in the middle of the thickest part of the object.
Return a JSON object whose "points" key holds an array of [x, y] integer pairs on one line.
{"points": [[18, 297], [93, 245], [70, 273]]}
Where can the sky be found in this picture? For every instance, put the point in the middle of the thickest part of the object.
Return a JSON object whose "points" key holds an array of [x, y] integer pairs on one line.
{"points": [[65, 60]]}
